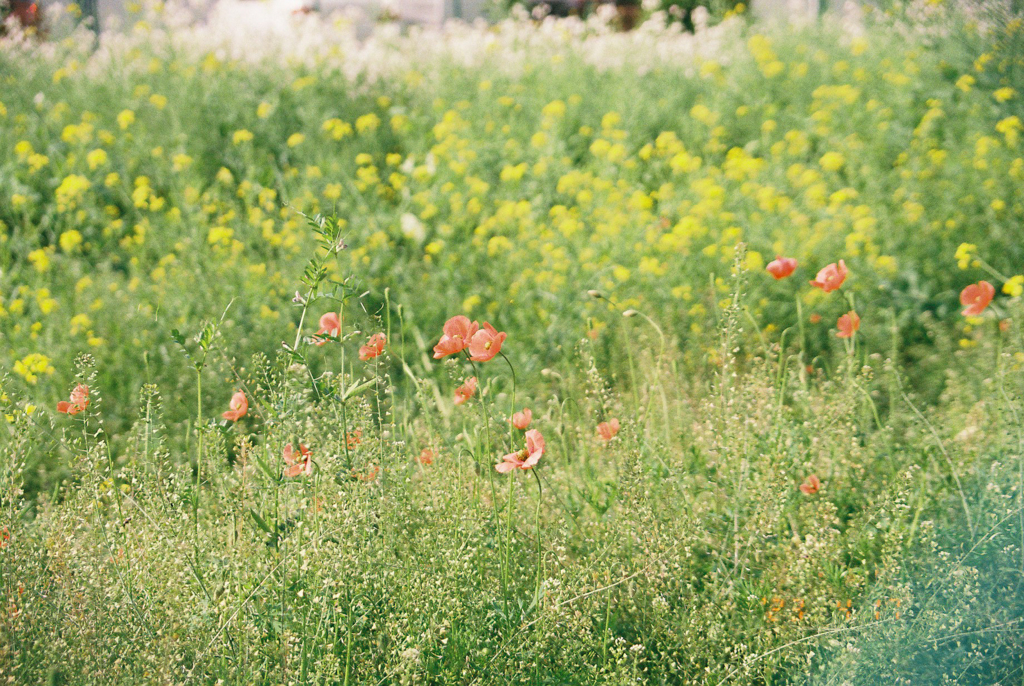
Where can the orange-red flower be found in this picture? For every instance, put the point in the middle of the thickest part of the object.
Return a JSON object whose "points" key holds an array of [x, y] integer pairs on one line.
{"points": [[811, 485], [239, 405], [528, 457], [976, 297], [848, 324], [330, 325], [607, 430], [370, 474], [373, 347], [79, 401], [831, 277], [354, 438], [5, 536], [486, 343], [465, 391], [298, 464], [521, 420], [814, 318], [426, 457], [457, 333], [781, 267]]}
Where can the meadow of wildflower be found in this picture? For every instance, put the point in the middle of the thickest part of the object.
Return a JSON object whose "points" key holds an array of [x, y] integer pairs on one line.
{"points": [[533, 353]]}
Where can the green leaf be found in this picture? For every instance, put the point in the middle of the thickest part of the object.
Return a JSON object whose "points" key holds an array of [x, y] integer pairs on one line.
{"points": [[355, 390], [265, 468], [260, 522]]}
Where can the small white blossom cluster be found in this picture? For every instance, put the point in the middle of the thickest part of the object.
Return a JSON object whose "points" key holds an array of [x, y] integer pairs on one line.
{"points": [[366, 52]]}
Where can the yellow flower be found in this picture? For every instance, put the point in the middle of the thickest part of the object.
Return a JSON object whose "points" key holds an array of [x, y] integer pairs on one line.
{"points": [[337, 128], [96, 158], [773, 69], [367, 122], [295, 140], [30, 366], [611, 120], [241, 136], [80, 322], [37, 162], [263, 110], [125, 118], [23, 149], [513, 173], [69, 240], [220, 235], [181, 162], [70, 191], [1015, 286], [1004, 94], [753, 261], [1010, 127], [554, 110], [965, 255], [965, 83], [832, 161], [158, 101]]}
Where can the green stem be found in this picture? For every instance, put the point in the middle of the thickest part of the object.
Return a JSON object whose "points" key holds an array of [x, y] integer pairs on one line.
{"points": [[199, 453], [540, 556], [508, 541], [513, 370]]}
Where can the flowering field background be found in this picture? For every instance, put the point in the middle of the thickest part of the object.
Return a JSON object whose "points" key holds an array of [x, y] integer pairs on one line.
{"points": [[466, 357]]}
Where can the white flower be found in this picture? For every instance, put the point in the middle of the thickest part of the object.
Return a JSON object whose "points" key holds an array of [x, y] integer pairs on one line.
{"points": [[413, 228]]}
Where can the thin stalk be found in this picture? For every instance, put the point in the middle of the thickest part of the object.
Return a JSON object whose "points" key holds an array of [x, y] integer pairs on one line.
{"points": [[199, 454], [540, 556], [513, 370], [508, 540], [942, 449]]}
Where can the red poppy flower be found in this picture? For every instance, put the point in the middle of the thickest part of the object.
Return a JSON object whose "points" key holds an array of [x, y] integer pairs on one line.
{"points": [[831, 277], [781, 267], [457, 333], [373, 348], [330, 325], [848, 324], [811, 485], [298, 464], [528, 457], [976, 297], [79, 401], [465, 391], [238, 407], [370, 474], [521, 420], [426, 457], [607, 430], [486, 343]]}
